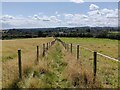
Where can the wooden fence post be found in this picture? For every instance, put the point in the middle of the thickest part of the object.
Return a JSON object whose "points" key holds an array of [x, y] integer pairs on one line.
{"points": [[77, 51], [48, 44], [71, 48], [67, 47], [64, 44], [19, 64], [95, 65], [51, 43], [43, 50], [37, 53]]}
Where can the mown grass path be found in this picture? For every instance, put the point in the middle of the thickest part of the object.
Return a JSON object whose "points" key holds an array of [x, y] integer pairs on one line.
{"points": [[58, 69], [54, 78], [48, 73]]}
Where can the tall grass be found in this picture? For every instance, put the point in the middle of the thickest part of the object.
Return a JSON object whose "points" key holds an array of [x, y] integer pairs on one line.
{"points": [[107, 70], [10, 60], [0, 64], [59, 68]]}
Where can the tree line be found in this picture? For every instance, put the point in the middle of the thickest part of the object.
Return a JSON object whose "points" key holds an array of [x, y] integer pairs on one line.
{"points": [[95, 32]]}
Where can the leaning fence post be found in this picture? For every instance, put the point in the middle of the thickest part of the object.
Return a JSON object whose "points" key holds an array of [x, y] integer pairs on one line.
{"points": [[37, 53], [71, 48], [95, 65], [43, 50], [19, 64], [77, 51]]}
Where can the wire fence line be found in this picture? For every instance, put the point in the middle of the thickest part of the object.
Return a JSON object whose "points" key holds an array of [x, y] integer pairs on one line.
{"points": [[106, 56], [45, 48], [69, 47]]}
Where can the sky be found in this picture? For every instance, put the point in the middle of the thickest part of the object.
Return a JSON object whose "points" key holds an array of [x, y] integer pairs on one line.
{"points": [[76, 13], [60, 0]]}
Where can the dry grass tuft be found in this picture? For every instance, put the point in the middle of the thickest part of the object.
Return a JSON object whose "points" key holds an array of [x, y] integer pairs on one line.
{"points": [[80, 77]]}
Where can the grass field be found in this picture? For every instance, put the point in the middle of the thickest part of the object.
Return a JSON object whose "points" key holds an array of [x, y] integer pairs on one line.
{"points": [[105, 46], [9, 57], [59, 68], [107, 70]]}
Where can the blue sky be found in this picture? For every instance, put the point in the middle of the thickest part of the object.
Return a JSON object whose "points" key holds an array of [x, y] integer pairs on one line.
{"points": [[58, 0], [27, 8], [53, 14]]}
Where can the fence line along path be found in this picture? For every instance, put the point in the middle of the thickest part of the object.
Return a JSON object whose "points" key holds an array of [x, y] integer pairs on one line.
{"points": [[45, 48], [94, 55], [103, 55]]}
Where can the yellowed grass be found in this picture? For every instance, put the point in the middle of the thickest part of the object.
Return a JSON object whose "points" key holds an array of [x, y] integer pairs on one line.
{"points": [[10, 61], [0, 64], [34, 81], [107, 69], [78, 74]]}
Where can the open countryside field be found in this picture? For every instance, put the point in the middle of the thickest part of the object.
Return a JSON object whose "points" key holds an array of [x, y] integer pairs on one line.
{"points": [[106, 46], [107, 69], [59, 68], [10, 59]]}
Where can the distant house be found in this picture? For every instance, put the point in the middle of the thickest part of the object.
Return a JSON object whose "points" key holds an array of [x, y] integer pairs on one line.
{"points": [[61, 32]]}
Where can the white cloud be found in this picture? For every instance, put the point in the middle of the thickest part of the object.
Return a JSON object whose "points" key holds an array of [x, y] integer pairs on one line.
{"points": [[54, 19], [77, 1], [95, 17], [106, 11], [56, 12], [111, 15], [6, 17], [94, 13], [68, 16], [94, 7], [36, 17], [30, 21], [45, 18], [58, 15]]}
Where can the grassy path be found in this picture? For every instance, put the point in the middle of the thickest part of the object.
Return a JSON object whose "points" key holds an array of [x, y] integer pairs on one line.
{"points": [[48, 74], [54, 78], [58, 69]]}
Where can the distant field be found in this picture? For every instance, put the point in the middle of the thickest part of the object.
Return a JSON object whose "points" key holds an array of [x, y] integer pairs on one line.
{"points": [[59, 68], [115, 32], [105, 46], [10, 47]]}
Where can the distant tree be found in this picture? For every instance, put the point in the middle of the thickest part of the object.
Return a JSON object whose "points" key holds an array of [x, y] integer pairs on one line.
{"points": [[40, 34], [88, 30]]}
